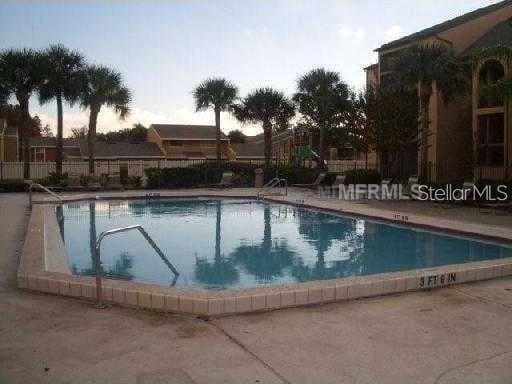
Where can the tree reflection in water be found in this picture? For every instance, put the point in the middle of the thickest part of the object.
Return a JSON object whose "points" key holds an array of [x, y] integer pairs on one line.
{"points": [[221, 272], [321, 230], [266, 260], [122, 266]]}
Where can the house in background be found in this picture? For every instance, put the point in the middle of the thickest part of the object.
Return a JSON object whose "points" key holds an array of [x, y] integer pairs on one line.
{"points": [[44, 149], [178, 141], [456, 125], [104, 150], [9, 142]]}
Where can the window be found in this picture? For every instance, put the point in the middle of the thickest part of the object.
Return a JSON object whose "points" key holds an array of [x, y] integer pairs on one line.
{"points": [[175, 143], [490, 73], [490, 140], [39, 154]]}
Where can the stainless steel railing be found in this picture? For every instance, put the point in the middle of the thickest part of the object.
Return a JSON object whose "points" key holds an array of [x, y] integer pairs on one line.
{"points": [[276, 182], [32, 185], [97, 257]]}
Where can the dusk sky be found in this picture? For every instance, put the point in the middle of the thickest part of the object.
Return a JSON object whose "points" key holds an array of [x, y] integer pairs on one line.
{"points": [[165, 48]]}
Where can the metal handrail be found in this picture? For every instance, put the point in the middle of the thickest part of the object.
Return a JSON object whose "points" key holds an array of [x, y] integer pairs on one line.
{"points": [[97, 257], [274, 183], [31, 186]]}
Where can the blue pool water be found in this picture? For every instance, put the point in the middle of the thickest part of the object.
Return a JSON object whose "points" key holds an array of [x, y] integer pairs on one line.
{"points": [[243, 243]]}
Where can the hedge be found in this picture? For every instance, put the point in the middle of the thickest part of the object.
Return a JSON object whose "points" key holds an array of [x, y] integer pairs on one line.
{"points": [[209, 174], [13, 186], [362, 176]]}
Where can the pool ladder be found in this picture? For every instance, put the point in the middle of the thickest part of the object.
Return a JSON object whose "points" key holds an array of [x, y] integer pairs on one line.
{"points": [[276, 182], [97, 257], [32, 185]]}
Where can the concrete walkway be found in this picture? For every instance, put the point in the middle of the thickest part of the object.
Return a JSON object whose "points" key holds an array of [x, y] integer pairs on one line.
{"points": [[456, 335]]}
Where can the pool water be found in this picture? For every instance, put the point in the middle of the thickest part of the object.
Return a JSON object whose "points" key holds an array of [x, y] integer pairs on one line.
{"points": [[218, 244]]}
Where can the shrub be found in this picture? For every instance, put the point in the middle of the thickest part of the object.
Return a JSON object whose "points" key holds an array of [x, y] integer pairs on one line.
{"points": [[134, 181], [207, 174], [362, 176], [294, 175], [84, 180], [55, 181], [174, 177], [13, 186]]}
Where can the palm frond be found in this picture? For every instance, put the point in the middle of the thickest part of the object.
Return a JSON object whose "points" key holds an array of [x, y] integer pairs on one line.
{"points": [[215, 93]]}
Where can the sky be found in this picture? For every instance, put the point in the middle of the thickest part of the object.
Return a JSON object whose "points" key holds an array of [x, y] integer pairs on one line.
{"points": [[166, 48]]}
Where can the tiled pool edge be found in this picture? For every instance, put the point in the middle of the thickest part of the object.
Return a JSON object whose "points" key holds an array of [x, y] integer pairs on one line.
{"points": [[32, 276]]}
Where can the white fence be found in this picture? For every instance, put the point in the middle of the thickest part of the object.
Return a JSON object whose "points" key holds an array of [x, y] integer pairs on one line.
{"points": [[38, 170]]}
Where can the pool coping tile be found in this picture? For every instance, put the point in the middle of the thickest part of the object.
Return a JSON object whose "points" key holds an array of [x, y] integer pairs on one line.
{"points": [[33, 276]]}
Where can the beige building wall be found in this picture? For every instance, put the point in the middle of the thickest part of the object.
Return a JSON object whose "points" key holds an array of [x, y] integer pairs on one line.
{"points": [[464, 35], [153, 137], [448, 138]]}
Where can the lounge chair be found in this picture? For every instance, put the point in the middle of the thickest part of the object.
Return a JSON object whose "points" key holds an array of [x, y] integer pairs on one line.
{"points": [[319, 179]]}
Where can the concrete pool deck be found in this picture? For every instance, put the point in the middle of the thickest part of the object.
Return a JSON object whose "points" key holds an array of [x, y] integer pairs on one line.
{"points": [[42, 249], [460, 334]]}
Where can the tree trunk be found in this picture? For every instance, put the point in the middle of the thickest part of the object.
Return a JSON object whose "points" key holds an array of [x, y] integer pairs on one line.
{"points": [[267, 132], [91, 136], [59, 146], [217, 138], [321, 145], [425, 93], [23, 100]]}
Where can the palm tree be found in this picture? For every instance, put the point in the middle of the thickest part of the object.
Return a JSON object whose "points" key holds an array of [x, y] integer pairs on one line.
{"points": [[104, 88], [218, 94], [420, 67], [270, 108], [21, 75], [64, 80], [322, 99]]}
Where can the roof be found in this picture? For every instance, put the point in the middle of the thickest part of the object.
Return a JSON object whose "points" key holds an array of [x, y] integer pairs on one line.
{"points": [[184, 132], [372, 66], [501, 34], [51, 142], [445, 25], [249, 149], [122, 149]]}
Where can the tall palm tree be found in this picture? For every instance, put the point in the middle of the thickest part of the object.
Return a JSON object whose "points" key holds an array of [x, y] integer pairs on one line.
{"points": [[64, 81], [104, 88], [322, 98], [218, 94], [20, 75], [420, 67], [270, 108]]}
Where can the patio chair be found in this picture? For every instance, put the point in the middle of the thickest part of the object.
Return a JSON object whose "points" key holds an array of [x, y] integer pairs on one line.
{"points": [[319, 179], [114, 181], [413, 180], [74, 182], [93, 184], [226, 180]]}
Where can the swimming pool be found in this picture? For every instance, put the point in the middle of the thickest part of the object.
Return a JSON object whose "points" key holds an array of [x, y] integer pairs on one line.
{"points": [[223, 243]]}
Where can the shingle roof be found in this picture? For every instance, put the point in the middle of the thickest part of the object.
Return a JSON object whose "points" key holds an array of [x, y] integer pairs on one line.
{"points": [[445, 25], [122, 149], [50, 142], [182, 132], [249, 149], [501, 34]]}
